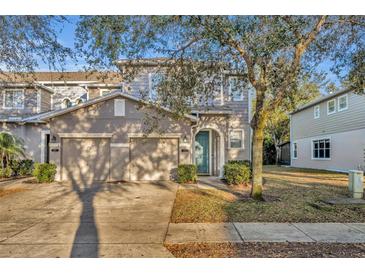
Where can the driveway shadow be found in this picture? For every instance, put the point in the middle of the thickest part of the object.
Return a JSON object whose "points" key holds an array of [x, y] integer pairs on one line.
{"points": [[87, 231]]}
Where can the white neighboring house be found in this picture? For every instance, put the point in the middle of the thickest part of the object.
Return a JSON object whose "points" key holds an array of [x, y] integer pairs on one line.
{"points": [[329, 133]]}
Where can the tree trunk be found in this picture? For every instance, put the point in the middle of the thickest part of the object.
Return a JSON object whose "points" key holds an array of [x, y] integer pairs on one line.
{"points": [[257, 158], [277, 154]]}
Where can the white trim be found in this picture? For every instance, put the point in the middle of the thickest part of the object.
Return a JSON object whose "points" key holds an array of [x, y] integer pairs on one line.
{"points": [[319, 139], [242, 140], [210, 154], [221, 146], [43, 142], [51, 101], [39, 101], [109, 96], [230, 90], [119, 145], [293, 149], [155, 135], [13, 89], [347, 102], [85, 135], [222, 89], [334, 111], [315, 111]]}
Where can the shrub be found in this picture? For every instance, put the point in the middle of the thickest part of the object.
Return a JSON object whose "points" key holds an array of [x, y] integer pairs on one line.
{"points": [[26, 167], [236, 173], [186, 174], [5, 172], [241, 162], [22, 167], [44, 173]]}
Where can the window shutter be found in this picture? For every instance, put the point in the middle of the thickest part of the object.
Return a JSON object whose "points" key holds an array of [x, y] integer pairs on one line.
{"points": [[119, 107]]}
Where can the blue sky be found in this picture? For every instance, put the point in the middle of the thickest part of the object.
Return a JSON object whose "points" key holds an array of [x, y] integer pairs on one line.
{"points": [[67, 37]]}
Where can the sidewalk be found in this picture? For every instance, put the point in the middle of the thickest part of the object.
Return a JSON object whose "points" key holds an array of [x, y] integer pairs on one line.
{"points": [[266, 232]]}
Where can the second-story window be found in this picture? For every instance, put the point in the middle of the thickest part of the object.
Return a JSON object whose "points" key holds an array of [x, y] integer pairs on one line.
{"points": [[14, 99], [154, 80], [317, 112], [66, 103], [331, 106], [342, 102], [235, 89]]}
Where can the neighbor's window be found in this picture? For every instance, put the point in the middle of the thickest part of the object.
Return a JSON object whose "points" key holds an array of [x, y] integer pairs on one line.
{"points": [[14, 99], [235, 89], [155, 80], [322, 149], [342, 102], [331, 106], [317, 112], [236, 139], [295, 151]]}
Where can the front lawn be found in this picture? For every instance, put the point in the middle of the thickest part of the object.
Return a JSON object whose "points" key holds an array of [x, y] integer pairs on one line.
{"points": [[267, 250], [292, 195]]}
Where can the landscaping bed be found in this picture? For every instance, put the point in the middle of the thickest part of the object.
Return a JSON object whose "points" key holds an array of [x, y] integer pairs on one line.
{"points": [[267, 250], [291, 194]]}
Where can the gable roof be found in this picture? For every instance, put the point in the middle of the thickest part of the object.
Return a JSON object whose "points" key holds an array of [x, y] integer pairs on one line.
{"points": [[66, 76], [321, 99], [54, 113], [25, 85]]}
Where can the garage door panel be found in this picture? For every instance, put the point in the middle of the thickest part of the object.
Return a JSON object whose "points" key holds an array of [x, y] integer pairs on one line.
{"points": [[85, 159], [153, 159]]}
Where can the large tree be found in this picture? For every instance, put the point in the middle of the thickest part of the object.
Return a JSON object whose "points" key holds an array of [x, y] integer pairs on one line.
{"points": [[274, 53], [277, 129], [26, 42]]}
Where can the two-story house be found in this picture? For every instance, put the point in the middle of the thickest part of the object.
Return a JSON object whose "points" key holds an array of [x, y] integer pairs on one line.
{"points": [[329, 133], [101, 137]]}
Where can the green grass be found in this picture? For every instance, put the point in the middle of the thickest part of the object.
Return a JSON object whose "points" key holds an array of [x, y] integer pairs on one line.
{"points": [[292, 195]]}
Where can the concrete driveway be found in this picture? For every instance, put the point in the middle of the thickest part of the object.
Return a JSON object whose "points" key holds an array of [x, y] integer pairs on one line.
{"points": [[97, 220]]}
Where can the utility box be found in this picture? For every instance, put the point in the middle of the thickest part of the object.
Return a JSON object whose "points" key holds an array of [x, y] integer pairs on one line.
{"points": [[356, 183]]}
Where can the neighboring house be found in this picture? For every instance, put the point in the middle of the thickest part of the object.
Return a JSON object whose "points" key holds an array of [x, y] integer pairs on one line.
{"points": [[329, 133], [284, 153], [103, 137]]}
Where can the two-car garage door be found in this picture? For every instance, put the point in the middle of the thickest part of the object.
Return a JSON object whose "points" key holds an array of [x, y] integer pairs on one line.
{"points": [[88, 159]]}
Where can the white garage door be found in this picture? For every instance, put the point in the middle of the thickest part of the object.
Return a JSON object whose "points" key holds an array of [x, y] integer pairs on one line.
{"points": [[85, 160], [153, 159]]}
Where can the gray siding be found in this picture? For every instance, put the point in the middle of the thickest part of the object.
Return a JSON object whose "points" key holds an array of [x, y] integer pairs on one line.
{"points": [[139, 87], [45, 98], [304, 125], [30, 104]]}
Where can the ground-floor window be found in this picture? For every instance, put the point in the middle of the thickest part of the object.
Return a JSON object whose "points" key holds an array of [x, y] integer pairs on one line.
{"points": [[295, 150], [236, 139], [321, 149]]}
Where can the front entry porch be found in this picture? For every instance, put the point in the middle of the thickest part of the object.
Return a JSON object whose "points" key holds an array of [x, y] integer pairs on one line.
{"points": [[209, 152]]}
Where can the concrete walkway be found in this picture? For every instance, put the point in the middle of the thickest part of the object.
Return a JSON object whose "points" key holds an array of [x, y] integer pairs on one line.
{"points": [[266, 232]]}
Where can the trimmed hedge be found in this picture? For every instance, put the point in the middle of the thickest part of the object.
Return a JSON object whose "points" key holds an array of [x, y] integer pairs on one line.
{"points": [[241, 162], [187, 174], [6, 172], [236, 173], [44, 172]]}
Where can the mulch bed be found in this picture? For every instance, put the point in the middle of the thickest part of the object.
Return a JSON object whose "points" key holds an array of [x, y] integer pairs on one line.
{"points": [[267, 250]]}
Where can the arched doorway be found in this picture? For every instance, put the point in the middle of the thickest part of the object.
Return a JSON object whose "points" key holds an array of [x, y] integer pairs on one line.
{"points": [[208, 151]]}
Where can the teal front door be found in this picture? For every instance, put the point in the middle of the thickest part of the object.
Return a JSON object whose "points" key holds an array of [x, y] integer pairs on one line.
{"points": [[202, 152]]}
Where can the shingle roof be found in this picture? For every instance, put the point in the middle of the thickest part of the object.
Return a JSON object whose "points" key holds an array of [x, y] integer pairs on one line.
{"points": [[67, 76]]}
